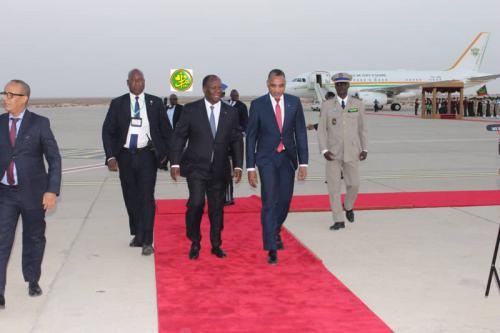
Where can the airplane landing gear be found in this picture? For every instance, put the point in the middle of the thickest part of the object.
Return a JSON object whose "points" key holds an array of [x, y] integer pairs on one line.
{"points": [[395, 106]]}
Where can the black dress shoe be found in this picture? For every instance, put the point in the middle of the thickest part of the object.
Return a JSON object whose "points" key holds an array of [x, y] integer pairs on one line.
{"points": [[217, 251], [272, 258], [229, 202], [337, 226], [2, 302], [134, 243], [349, 214], [147, 250], [194, 252], [279, 242], [34, 289]]}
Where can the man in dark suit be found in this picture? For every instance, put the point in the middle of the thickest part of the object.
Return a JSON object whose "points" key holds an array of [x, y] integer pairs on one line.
{"points": [[211, 129], [276, 142], [241, 107], [174, 111], [26, 188], [136, 135], [243, 119]]}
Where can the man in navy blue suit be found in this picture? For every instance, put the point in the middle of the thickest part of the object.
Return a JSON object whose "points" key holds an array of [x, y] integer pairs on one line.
{"points": [[277, 144], [26, 188]]}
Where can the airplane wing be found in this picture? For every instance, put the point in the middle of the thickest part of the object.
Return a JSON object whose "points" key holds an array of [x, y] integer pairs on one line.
{"points": [[481, 79]]}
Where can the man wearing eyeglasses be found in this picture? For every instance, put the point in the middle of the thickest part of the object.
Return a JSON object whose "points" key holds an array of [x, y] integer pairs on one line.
{"points": [[26, 188]]}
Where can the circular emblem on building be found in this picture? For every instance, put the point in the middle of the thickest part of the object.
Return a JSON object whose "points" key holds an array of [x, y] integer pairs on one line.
{"points": [[181, 80]]}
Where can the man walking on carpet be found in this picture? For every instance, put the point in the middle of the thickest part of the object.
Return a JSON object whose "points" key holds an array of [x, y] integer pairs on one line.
{"points": [[211, 129], [276, 143]]}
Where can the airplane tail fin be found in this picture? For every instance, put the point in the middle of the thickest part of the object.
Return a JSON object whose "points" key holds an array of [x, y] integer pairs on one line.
{"points": [[472, 58]]}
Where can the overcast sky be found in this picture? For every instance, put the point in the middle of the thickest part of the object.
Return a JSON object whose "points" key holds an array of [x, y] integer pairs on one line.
{"points": [[84, 48]]}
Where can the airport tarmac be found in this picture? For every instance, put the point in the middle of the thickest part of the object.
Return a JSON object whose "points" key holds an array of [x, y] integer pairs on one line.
{"points": [[419, 270]]}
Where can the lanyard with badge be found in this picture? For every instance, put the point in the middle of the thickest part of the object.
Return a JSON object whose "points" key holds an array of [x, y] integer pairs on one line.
{"points": [[136, 122]]}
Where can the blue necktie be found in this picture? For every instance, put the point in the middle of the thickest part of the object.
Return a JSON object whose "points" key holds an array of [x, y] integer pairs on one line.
{"points": [[134, 137], [343, 104], [137, 109], [212, 121]]}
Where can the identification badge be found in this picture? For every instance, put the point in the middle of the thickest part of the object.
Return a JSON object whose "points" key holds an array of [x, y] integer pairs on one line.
{"points": [[352, 110], [334, 121], [136, 122]]}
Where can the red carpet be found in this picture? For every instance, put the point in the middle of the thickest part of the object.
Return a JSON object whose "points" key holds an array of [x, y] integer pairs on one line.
{"points": [[311, 203], [394, 200], [480, 120], [242, 293]]}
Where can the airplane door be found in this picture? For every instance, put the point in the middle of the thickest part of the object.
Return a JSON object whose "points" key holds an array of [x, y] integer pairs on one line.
{"points": [[319, 80], [319, 77]]}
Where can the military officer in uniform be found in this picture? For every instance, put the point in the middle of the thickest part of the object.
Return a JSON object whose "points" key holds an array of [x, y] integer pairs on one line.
{"points": [[343, 143]]}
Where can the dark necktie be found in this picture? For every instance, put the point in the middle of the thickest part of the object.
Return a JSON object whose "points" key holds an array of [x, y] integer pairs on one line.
{"points": [[136, 114], [280, 124], [12, 134], [343, 104], [212, 121], [137, 108]]}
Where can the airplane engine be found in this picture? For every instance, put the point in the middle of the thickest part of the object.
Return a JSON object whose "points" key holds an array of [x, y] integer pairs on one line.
{"points": [[370, 97]]}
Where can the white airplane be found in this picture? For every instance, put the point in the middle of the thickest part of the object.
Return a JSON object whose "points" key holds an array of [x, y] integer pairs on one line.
{"points": [[384, 85]]}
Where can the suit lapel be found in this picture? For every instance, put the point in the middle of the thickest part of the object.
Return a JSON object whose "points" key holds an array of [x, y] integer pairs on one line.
{"points": [[349, 103], [25, 124], [222, 118], [149, 104], [4, 127], [287, 112], [204, 116], [126, 111]]}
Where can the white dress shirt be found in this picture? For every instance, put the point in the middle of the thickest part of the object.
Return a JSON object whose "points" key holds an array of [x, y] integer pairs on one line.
{"points": [[18, 126], [344, 99], [216, 111], [142, 131], [170, 114]]}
